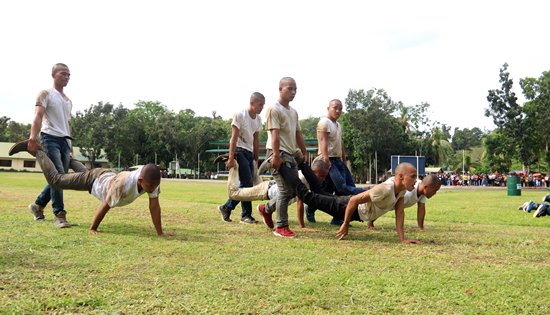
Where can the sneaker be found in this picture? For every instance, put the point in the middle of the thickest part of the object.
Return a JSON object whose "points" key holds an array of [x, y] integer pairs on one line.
{"points": [[37, 211], [61, 220], [226, 213], [283, 232], [19, 147], [541, 211], [310, 214], [249, 220], [530, 207], [546, 198], [268, 221], [523, 206]]}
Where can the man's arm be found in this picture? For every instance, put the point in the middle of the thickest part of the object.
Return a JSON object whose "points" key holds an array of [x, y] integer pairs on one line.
{"points": [[100, 214], [232, 146], [420, 215], [35, 128], [256, 147], [322, 137], [301, 143], [154, 208], [370, 225], [353, 203], [400, 222], [275, 145]]}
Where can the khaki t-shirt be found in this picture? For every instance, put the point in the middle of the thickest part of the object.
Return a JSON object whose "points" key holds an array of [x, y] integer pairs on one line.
{"points": [[286, 120], [334, 138], [383, 199]]}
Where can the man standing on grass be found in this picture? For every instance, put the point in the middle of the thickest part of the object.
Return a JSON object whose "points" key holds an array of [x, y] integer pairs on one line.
{"points": [[51, 120], [284, 141], [244, 149]]}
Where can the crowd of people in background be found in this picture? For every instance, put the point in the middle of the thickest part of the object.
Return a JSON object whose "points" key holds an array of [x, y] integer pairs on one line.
{"points": [[527, 180]]}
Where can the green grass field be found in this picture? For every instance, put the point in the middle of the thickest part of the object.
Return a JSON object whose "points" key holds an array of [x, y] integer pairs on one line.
{"points": [[479, 255]]}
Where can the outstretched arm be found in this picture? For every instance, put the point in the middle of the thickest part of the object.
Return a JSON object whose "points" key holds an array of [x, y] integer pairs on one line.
{"points": [[400, 222], [100, 214], [33, 145], [232, 146], [322, 137], [300, 206], [353, 203], [420, 215], [154, 208]]}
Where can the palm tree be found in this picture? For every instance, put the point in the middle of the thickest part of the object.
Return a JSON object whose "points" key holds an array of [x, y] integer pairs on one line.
{"points": [[441, 147]]}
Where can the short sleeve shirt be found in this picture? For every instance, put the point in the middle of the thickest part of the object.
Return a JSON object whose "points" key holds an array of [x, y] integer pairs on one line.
{"points": [[334, 139], [411, 197], [57, 113], [247, 126], [383, 199], [119, 189], [286, 120]]}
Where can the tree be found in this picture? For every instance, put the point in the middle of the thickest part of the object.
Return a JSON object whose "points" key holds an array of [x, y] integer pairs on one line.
{"points": [[466, 139], [441, 147], [369, 126], [509, 117], [309, 127], [92, 130], [497, 157], [537, 92], [11, 131]]}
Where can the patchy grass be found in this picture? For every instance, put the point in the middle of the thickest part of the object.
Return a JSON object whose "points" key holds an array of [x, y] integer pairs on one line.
{"points": [[478, 255]]}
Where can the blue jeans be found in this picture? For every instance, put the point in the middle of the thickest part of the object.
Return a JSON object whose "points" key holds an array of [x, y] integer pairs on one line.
{"points": [[342, 179], [58, 151], [245, 159]]}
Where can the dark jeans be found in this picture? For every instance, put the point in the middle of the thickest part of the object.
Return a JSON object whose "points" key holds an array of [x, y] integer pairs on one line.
{"points": [[58, 151], [331, 205], [342, 179], [245, 159]]}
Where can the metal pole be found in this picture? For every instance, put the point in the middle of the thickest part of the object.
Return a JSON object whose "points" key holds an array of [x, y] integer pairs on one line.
{"points": [[199, 165], [177, 167]]}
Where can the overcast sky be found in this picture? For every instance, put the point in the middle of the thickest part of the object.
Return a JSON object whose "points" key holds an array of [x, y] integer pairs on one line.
{"points": [[211, 55]]}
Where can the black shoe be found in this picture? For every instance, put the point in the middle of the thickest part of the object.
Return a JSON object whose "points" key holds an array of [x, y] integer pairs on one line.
{"points": [[226, 213], [310, 214], [541, 211], [249, 220], [222, 158], [19, 147]]}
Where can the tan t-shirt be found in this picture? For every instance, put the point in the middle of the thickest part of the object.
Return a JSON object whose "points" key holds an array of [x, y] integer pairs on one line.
{"points": [[119, 189], [334, 139], [286, 120], [383, 199]]}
